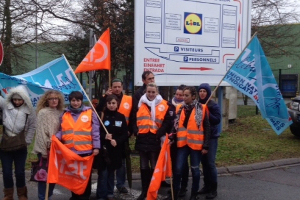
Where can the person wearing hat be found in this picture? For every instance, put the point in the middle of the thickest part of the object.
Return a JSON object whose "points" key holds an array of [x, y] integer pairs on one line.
{"points": [[208, 160], [19, 124], [125, 108]]}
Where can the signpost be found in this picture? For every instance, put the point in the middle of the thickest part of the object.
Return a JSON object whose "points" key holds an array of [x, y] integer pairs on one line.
{"points": [[189, 41], [1, 53]]}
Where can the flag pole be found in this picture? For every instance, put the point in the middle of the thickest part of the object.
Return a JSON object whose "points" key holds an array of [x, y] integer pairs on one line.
{"points": [[47, 191], [230, 68], [86, 96]]}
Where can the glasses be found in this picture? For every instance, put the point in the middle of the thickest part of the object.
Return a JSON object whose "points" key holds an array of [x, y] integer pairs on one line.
{"points": [[53, 99]]}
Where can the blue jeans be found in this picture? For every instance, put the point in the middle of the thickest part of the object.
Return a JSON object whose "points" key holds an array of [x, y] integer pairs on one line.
{"points": [[42, 190], [208, 163], [42, 187], [17, 157], [195, 158], [121, 175], [105, 184]]}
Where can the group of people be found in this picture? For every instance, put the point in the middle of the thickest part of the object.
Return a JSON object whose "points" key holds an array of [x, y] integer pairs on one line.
{"points": [[192, 125]]}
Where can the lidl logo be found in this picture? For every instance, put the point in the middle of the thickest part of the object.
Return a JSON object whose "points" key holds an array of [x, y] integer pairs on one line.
{"points": [[192, 23]]}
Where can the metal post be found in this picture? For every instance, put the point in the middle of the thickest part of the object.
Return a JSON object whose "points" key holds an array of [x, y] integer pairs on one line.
{"points": [[90, 72], [220, 103]]}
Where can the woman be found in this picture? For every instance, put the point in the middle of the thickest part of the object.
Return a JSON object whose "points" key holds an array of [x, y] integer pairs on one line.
{"points": [[113, 141], [49, 108], [178, 97], [192, 128], [177, 101], [208, 161], [82, 120], [19, 122], [154, 119]]}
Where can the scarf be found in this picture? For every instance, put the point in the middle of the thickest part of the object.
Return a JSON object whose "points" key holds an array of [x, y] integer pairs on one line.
{"points": [[75, 110], [175, 101], [152, 104], [199, 112]]}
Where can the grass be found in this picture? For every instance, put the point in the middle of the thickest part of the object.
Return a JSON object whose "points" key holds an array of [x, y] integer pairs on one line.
{"points": [[249, 139]]}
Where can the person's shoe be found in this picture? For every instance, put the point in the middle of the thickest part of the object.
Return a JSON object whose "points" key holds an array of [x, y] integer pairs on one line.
{"points": [[182, 192], [142, 196], [204, 190], [123, 190], [165, 184], [110, 198], [193, 196], [212, 195]]}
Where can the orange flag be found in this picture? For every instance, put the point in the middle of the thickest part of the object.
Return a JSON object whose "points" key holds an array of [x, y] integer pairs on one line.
{"points": [[98, 57], [162, 170], [68, 169]]}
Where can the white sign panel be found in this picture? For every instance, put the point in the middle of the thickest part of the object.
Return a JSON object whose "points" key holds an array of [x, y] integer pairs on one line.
{"points": [[189, 41]]}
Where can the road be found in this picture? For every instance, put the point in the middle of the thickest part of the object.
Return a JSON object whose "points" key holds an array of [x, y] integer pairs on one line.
{"points": [[276, 183]]}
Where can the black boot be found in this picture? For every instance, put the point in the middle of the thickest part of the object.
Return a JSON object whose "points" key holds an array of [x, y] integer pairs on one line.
{"points": [[213, 193], [206, 188], [145, 174], [193, 196], [182, 192]]}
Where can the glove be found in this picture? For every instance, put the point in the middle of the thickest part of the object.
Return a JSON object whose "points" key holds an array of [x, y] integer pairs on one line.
{"points": [[172, 137]]}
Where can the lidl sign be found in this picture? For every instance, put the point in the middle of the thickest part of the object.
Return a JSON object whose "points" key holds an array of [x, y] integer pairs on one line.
{"points": [[192, 23]]}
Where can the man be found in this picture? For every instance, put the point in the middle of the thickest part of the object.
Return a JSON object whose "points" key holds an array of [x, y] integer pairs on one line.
{"points": [[125, 107]]}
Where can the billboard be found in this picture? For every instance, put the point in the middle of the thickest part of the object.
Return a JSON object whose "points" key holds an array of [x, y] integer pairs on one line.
{"points": [[189, 41]]}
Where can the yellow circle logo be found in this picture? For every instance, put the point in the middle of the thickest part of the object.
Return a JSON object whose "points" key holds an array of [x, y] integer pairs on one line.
{"points": [[193, 23]]}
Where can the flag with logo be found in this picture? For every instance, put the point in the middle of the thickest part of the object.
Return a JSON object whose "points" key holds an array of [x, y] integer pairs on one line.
{"points": [[68, 169], [99, 56], [57, 75], [162, 170], [251, 74]]}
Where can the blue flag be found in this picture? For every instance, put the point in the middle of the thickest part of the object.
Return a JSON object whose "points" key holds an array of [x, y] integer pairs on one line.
{"points": [[251, 74], [56, 75]]}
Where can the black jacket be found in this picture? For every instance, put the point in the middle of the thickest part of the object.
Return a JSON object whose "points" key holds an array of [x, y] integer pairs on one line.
{"points": [[151, 142], [102, 105], [115, 123]]}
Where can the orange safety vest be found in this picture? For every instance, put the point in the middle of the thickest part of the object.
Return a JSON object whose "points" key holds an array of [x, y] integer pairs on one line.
{"points": [[191, 136], [144, 122], [77, 134], [125, 107]]}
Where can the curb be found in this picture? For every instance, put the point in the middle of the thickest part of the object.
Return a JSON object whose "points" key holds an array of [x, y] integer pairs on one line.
{"points": [[223, 171]]}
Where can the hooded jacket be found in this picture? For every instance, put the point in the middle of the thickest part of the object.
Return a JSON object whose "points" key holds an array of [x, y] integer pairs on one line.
{"points": [[214, 111], [14, 118]]}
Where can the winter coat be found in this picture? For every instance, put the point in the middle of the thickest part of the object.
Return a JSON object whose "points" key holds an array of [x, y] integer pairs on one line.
{"points": [[47, 124], [14, 118], [151, 142], [115, 124], [214, 111], [95, 130]]}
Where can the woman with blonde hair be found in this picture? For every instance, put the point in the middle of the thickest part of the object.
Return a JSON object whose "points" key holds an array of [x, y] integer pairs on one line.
{"points": [[49, 108]]}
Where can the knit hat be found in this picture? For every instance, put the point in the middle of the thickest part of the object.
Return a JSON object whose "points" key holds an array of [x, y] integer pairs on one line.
{"points": [[16, 96], [206, 87]]}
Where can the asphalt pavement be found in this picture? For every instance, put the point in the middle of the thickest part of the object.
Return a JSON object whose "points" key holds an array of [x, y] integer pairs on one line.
{"points": [[274, 180]]}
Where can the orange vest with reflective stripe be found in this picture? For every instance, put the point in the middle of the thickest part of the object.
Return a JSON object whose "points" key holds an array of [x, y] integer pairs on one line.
{"points": [[191, 136], [125, 107], [77, 134], [144, 122]]}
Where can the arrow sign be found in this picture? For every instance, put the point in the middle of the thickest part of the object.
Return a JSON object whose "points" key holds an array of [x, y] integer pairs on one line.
{"points": [[194, 68], [1, 53]]}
